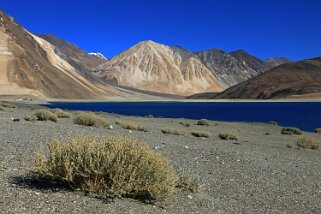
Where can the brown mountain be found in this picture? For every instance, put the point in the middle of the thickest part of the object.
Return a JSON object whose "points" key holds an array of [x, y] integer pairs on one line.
{"points": [[155, 67], [300, 79], [29, 65]]}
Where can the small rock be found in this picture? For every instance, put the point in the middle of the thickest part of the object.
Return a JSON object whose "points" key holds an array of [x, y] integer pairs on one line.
{"points": [[185, 147], [130, 131], [157, 148], [110, 127], [190, 197]]}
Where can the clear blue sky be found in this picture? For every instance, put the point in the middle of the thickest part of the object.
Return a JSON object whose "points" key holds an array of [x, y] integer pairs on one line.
{"points": [[265, 28]]}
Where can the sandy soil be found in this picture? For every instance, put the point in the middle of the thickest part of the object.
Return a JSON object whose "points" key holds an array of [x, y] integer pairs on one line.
{"points": [[256, 174]]}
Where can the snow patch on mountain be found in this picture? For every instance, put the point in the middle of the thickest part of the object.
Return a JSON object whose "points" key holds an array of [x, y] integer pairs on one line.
{"points": [[99, 55]]}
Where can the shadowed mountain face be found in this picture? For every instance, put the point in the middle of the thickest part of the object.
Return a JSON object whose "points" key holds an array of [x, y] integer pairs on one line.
{"points": [[73, 54], [257, 64], [227, 69], [300, 79], [30, 65], [155, 67]]}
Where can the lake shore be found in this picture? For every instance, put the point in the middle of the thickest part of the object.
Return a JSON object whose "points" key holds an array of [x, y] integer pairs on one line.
{"points": [[258, 173]]}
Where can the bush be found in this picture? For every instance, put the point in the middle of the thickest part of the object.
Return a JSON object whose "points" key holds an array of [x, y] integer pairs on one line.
{"points": [[30, 118], [228, 136], [203, 122], [44, 115], [149, 116], [274, 123], [308, 143], [133, 126], [201, 134], [318, 130], [7, 105], [172, 131], [90, 119], [185, 124], [1, 108], [187, 184], [291, 131], [109, 167], [60, 113]]}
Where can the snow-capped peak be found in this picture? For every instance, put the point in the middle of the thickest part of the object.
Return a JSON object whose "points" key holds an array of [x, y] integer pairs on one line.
{"points": [[99, 55]]}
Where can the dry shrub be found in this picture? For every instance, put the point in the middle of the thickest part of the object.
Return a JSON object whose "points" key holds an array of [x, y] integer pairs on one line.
{"points": [[1, 108], [61, 113], [201, 134], [29, 118], [7, 105], [90, 119], [308, 143], [173, 131], [185, 124], [317, 130], [133, 126], [44, 115], [186, 183], [228, 136], [109, 167], [203, 122], [291, 131]]}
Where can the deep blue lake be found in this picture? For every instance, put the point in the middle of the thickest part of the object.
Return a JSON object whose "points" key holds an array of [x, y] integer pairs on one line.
{"points": [[306, 116]]}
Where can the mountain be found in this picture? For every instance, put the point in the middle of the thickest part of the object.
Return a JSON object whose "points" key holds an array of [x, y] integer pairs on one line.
{"points": [[155, 67], [300, 79], [98, 55], [30, 65], [257, 64], [73, 54], [226, 68]]}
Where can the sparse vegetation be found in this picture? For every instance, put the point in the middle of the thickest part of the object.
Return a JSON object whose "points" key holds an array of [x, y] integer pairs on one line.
{"points": [[274, 123], [90, 119], [133, 126], [185, 124], [189, 185], [291, 131], [308, 143], [7, 105], [1, 108], [267, 133], [29, 118], [228, 136], [44, 115], [318, 130], [289, 146], [109, 167], [61, 113], [173, 131], [201, 134], [149, 116], [203, 122]]}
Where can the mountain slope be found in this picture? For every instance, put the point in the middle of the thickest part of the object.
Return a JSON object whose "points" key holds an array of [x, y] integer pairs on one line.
{"points": [[294, 79], [155, 67], [30, 66], [73, 54], [257, 64], [226, 69]]}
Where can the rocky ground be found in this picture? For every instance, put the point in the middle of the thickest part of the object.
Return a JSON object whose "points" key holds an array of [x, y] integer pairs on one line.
{"points": [[256, 174]]}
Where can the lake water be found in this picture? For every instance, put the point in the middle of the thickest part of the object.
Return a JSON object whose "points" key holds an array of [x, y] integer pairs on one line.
{"points": [[306, 116]]}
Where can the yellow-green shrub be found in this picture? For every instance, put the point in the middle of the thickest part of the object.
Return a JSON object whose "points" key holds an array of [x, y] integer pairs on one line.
{"points": [[30, 118], [120, 167], [90, 119], [172, 131], [60, 113], [228, 136], [44, 115], [133, 126], [308, 143], [201, 134], [203, 122]]}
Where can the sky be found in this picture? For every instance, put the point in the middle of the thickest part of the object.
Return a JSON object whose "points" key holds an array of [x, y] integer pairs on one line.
{"points": [[264, 28]]}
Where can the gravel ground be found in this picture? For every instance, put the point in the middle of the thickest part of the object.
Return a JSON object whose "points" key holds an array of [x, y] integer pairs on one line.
{"points": [[256, 174]]}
